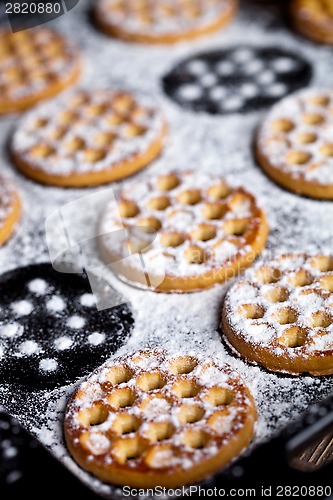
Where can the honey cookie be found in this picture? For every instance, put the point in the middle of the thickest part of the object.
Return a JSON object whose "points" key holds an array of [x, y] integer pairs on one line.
{"points": [[34, 65], [238, 79], [10, 209], [314, 19], [88, 138], [280, 314], [150, 418], [162, 21], [206, 232], [294, 144]]}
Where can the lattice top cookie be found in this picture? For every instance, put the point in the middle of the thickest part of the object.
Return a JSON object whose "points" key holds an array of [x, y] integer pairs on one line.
{"points": [[88, 137], [156, 415], [203, 225], [162, 20], [285, 306], [296, 138], [34, 65]]}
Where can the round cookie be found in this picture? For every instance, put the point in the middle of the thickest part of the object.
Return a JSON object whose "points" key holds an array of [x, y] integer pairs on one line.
{"points": [[314, 19], [149, 418], [279, 314], [294, 143], [238, 79], [183, 231], [51, 332], [10, 209], [34, 65], [162, 21], [88, 138]]}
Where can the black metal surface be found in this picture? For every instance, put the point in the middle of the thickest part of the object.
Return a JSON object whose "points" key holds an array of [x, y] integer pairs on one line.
{"points": [[256, 77], [55, 343]]}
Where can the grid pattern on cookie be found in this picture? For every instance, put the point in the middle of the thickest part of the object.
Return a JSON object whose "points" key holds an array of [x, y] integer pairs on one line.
{"points": [[297, 136], [32, 61], [88, 131], [158, 411], [201, 223], [285, 304], [239, 79], [162, 16], [7, 193]]}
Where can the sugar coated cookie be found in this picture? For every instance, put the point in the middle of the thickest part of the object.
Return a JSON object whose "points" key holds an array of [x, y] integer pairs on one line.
{"points": [[149, 418], [88, 138], [206, 231], [294, 144], [10, 209], [280, 314], [162, 21], [314, 19], [34, 65]]}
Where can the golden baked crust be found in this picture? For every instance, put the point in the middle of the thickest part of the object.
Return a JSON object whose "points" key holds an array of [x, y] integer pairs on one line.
{"points": [[314, 19], [206, 232], [280, 314], [162, 21], [88, 138], [150, 418], [294, 144], [10, 209], [34, 65]]}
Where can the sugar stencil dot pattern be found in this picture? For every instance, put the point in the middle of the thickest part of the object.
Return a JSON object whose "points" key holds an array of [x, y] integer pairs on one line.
{"points": [[238, 79], [51, 331]]}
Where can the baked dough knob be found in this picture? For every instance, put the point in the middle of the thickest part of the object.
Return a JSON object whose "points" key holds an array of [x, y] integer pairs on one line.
{"points": [[294, 145], [88, 138], [314, 19], [280, 314], [34, 65], [10, 209], [162, 21], [152, 419], [204, 231]]}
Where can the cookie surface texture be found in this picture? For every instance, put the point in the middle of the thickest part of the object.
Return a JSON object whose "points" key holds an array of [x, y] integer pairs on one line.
{"points": [[162, 21], [205, 231], [149, 418], [34, 65], [314, 19], [280, 314], [294, 144], [88, 138]]}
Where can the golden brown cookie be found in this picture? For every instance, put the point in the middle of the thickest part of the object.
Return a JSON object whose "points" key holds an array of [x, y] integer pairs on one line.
{"points": [[162, 21], [206, 232], [280, 314], [10, 209], [150, 418], [294, 144], [88, 138], [34, 65], [314, 19]]}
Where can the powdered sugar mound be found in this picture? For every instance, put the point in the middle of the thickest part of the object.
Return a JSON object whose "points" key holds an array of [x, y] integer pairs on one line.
{"points": [[96, 338], [63, 343], [75, 322], [38, 286], [55, 304], [88, 300], [29, 347], [48, 365], [22, 308], [11, 330]]}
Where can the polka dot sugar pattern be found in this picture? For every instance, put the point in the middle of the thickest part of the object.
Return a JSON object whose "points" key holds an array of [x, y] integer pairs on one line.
{"points": [[51, 332], [236, 80]]}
